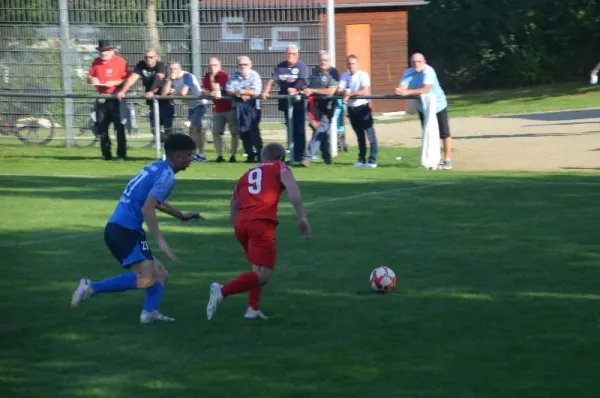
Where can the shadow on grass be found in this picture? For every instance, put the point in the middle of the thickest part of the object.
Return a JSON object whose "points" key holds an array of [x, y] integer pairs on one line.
{"points": [[555, 116], [525, 135], [497, 292]]}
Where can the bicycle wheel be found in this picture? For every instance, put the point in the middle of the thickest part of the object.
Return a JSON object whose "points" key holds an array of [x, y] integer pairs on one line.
{"points": [[85, 137], [34, 131]]}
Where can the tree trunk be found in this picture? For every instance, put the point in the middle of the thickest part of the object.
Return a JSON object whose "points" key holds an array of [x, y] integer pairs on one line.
{"points": [[151, 25]]}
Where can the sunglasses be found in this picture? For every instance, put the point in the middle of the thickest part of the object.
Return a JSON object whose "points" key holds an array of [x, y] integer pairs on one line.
{"points": [[243, 64], [149, 57]]}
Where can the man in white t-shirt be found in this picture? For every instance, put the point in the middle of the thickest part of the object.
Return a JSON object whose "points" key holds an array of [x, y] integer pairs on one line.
{"points": [[422, 79], [355, 83]]}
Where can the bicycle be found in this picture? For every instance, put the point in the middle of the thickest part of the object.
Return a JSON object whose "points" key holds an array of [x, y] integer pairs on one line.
{"points": [[29, 118], [27, 128]]}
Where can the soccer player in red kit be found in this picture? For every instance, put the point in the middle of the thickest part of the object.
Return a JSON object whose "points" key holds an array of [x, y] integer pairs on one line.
{"points": [[254, 215]]}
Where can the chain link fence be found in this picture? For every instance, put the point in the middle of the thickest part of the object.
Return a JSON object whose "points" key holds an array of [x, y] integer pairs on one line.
{"points": [[49, 45]]}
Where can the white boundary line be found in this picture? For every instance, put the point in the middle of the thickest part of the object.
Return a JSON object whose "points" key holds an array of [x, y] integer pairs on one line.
{"points": [[375, 193], [74, 235]]}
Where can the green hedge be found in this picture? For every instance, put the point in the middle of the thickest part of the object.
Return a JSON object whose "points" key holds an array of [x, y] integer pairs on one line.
{"points": [[482, 44]]}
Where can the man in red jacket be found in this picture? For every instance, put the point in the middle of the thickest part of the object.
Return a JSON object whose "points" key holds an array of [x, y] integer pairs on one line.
{"points": [[213, 85], [107, 73]]}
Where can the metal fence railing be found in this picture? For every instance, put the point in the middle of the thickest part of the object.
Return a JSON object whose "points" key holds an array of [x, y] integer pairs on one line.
{"points": [[30, 117]]}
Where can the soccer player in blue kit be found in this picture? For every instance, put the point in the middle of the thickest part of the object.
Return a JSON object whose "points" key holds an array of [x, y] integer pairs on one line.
{"points": [[126, 239]]}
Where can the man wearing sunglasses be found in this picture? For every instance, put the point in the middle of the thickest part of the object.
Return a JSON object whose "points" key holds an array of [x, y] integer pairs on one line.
{"points": [[153, 73]]}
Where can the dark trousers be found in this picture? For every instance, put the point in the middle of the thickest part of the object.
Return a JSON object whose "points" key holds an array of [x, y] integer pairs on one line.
{"points": [[361, 120], [106, 113], [299, 124], [320, 140], [251, 139]]}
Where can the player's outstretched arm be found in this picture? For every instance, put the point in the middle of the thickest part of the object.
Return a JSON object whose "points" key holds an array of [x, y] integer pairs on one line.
{"points": [[149, 213], [295, 198], [170, 210]]}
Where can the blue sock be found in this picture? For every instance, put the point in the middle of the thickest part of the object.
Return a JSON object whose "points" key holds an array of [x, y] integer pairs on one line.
{"points": [[154, 297], [119, 283]]}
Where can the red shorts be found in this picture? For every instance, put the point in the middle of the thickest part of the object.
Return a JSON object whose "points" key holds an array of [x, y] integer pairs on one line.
{"points": [[257, 237]]}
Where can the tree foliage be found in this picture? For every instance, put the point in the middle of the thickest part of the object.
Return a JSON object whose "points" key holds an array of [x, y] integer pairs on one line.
{"points": [[478, 44]]}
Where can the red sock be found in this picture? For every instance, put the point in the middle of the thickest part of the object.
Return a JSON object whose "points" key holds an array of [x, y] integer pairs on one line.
{"points": [[254, 298], [242, 283]]}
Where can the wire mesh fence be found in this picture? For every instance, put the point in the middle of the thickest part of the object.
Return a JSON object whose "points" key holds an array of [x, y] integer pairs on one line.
{"points": [[48, 51]]}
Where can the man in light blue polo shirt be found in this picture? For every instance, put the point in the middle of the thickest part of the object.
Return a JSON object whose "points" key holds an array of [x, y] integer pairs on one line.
{"points": [[422, 79]]}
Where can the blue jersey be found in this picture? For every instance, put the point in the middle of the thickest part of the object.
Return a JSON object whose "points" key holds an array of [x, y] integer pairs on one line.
{"points": [[156, 180]]}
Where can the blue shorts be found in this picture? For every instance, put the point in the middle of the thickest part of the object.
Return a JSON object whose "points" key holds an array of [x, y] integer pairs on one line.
{"points": [[196, 114], [126, 245]]}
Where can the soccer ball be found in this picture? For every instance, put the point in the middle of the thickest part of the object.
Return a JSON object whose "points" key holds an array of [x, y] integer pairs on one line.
{"points": [[382, 279]]}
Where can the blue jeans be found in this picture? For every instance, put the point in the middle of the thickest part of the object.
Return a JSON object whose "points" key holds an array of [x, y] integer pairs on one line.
{"points": [[298, 122], [361, 120], [320, 140]]}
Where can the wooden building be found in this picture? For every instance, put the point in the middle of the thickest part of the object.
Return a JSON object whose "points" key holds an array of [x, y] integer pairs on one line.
{"points": [[377, 32], [374, 30]]}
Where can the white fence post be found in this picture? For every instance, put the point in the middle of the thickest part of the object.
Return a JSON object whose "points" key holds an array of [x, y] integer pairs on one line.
{"points": [[196, 50], [66, 70], [156, 115]]}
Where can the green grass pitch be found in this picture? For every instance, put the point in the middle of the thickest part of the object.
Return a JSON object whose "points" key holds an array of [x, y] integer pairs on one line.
{"points": [[497, 293]]}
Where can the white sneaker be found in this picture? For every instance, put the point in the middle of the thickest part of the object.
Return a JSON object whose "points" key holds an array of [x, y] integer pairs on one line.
{"points": [[215, 298], [371, 165], [199, 158], [83, 291], [150, 317], [255, 314], [359, 164]]}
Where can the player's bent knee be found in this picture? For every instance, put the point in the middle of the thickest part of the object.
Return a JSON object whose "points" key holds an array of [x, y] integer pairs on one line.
{"points": [[264, 274], [144, 283], [145, 274]]}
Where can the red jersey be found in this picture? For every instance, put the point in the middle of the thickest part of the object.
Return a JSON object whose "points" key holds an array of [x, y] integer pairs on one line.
{"points": [[258, 191], [114, 69], [221, 78]]}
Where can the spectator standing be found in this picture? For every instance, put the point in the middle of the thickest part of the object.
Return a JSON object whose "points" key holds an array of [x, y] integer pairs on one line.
{"points": [[213, 85], [353, 83], [246, 85], [291, 76], [153, 73], [422, 79], [320, 110], [182, 83], [339, 106], [107, 73]]}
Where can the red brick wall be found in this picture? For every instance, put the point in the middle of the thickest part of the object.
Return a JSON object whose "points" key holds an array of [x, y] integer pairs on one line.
{"points": [[389, 49]]}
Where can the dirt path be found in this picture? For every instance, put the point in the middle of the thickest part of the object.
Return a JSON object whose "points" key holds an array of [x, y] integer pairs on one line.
{"points": [[557, 141], [568, 140]]}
